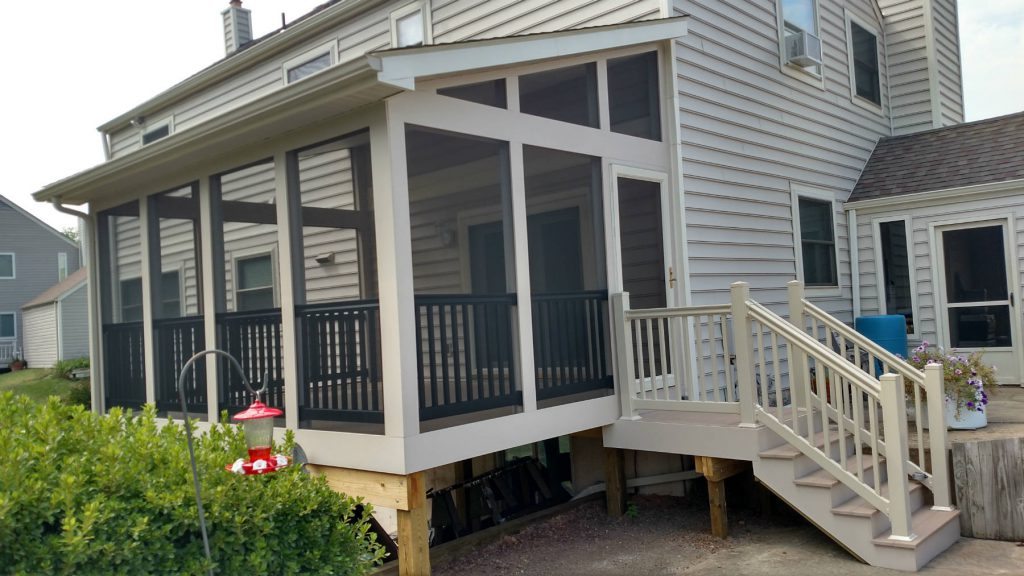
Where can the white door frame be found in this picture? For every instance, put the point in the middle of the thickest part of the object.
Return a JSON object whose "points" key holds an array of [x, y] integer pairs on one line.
{"points": [[935, 230]]}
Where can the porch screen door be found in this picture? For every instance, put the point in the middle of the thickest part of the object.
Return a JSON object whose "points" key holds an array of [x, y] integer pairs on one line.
{"points": [[977, 296]]}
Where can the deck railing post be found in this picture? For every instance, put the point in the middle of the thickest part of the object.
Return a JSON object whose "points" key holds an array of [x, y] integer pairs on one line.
{"points": [[798, 360], [894, 423], [744, 350], [935, 393], [624, 377]]}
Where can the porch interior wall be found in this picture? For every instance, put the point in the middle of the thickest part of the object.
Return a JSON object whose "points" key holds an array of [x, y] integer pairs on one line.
{"points": [[254, 184], [126, 246]]}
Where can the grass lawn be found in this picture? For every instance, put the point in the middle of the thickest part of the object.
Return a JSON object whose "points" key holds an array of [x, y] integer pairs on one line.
{"points": [[36, 383]]}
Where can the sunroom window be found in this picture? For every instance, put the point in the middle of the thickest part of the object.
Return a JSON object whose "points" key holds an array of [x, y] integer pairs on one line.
{"points": [[633, 95], [489, 93], [568, 94]]}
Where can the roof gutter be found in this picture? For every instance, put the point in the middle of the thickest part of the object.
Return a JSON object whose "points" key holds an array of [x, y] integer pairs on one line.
{"points": [[214, 74]]}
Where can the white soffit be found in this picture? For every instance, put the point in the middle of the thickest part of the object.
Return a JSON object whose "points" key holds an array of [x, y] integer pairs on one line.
{"points": [[401, 67]]}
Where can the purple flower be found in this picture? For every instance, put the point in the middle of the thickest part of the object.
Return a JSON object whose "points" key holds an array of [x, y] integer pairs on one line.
{"points": [[958, 372], [970, 404]]}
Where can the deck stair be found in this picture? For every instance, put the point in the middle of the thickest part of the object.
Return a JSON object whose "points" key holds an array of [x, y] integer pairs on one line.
{"points": [[835, 447]]}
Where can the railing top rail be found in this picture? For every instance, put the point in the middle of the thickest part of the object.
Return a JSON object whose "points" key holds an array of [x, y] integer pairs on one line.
{"points": [[581, 295], [798, 337], [122, 325], [509, 298], [904, 367], [677, 312], [338, 306], [243, 314], [178, 321]]}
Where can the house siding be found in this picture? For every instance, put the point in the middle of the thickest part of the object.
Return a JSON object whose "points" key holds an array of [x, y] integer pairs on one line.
{"points": [[35, 246], [74, 324], [947, 58], [41, 336], [750, 133]]}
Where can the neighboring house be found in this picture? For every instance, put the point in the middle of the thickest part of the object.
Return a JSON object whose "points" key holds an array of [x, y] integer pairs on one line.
{"points": [[938, 217], [56, 323], [33, 257], [420, 220]]}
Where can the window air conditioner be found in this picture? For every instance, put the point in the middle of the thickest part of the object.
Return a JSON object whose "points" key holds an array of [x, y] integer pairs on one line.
{"points": [[803, 49]]}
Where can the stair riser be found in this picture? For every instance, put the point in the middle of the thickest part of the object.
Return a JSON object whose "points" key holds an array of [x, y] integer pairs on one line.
{"points": [[880, 522]]}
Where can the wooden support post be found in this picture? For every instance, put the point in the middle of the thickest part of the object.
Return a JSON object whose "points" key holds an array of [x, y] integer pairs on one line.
{"points": [[413, 547], [719, 514], [715, 471], [615, 481]]}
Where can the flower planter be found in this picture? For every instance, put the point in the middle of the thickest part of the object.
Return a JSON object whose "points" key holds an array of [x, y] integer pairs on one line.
{"points": [[967, 420]]}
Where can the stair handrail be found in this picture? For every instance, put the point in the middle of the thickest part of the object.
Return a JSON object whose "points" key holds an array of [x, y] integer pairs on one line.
{"points": [[936, 476]]}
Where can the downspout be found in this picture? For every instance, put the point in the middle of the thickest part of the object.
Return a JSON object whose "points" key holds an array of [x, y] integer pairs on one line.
{"points": [[70, 211], [106, 138]]}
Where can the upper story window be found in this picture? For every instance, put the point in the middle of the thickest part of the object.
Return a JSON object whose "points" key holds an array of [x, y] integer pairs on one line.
{"points": [[7, 325], [633, 96], [7, 266], [410, 25], [310, 62], [153, 131], [799, 37], [864, 63], [816, 228], [255, 285], [568, 94], [62, 266]]}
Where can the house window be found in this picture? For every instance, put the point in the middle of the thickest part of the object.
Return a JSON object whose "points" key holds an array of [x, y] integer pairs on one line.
{"points": [[7, 325], [864, 51], [62, 266], [131, 300], [799, 15], [568, 94], [892, 238], [7, 266], [633, 96], [170, 295], [795, 17], [255, 285], [155, 134], [817, 242], [409, 26], [489, 93], [309, 67]]}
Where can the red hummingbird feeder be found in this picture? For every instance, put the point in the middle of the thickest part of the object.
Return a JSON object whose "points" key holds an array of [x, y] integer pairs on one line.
{"points": [[258, 424]]}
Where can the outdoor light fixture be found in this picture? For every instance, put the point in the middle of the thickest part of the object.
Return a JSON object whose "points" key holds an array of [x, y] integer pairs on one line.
{"points": [[258, 424]]}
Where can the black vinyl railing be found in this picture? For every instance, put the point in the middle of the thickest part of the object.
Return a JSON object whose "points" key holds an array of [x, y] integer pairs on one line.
{"points": [[177, 340], [254, 338], [466, 354], [341, 361], [124, 360], [570, 343]]}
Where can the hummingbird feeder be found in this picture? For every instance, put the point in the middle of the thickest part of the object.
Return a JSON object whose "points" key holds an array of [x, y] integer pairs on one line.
{"points": [[258, 424]]}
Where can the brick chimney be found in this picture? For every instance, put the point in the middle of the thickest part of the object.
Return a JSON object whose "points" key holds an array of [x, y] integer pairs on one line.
{"points": [[237, 27]]}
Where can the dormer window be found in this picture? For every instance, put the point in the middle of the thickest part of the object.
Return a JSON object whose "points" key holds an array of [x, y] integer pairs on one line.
{"points": [[309, 68], [310, 62], [409, 25], [153, 131]]}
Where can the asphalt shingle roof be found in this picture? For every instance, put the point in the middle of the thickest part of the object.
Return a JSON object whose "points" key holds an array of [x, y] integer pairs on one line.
{"points": [[981, 152]]}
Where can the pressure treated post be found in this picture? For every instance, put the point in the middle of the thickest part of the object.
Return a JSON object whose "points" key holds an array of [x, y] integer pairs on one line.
{"points": [[797, 359], [744, 351], [935, 393], [615, 481], [894, 422], [413, 547], [623, 354]]}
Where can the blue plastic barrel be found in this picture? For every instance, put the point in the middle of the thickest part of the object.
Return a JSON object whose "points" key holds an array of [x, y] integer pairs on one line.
{"points": [[887, 330]]}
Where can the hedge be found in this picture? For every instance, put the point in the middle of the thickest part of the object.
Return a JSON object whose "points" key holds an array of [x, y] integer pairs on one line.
{"points": [[87, 494]]}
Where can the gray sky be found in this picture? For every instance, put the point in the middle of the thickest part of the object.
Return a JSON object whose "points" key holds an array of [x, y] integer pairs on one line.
{"points": [[92, 61]]}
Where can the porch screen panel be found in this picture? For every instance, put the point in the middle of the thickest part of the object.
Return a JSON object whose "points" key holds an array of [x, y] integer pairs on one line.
{"points": [[463, 272], [896, 270], [248, 315], [178, 329], [121, 308], [337, 306], [565, 228]]}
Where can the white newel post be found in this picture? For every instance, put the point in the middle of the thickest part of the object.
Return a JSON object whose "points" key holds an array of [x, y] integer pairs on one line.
{"points": [[740, 292], [894, 423], [623, 354], [798, 375], [934, 389]]}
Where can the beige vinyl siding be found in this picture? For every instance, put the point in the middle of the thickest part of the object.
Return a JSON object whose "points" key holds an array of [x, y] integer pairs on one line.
{"points": [[947, 60], [178, 253], [40, 338], [254, 184], [74, 323], [126, 248], [907, 38], [750, 132]]}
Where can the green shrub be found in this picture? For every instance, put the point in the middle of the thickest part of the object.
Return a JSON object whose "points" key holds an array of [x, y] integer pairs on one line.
{"points": [[79, 394], [64, 368], [87, 494]]}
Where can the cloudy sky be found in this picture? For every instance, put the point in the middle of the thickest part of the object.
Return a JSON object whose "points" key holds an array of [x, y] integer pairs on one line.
{"points": [[72, 65]]}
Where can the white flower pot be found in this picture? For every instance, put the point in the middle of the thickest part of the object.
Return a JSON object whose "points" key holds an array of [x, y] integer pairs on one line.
{"points": [[968, 419]]}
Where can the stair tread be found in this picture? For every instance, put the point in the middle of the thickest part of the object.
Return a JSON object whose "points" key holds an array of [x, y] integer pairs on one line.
{"points": [[924, 522], [787, 450], [825, 479], [858, 506]]}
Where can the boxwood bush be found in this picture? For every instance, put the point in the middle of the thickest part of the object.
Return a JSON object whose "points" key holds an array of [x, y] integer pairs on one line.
{"points": [[85, 494]]}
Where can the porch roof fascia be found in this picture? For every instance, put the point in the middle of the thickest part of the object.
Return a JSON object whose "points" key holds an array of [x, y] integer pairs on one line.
{"points": [[323, 92], [401, 67], [972, 192]]}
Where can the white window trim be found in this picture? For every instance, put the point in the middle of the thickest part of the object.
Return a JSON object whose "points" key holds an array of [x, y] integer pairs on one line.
{"points": [[149, 126], [797, 192], [311, 54], [14, 266], [856, 99], [249, 255], [816, 79], [876, 237], [15, 337], [428, 29]]}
